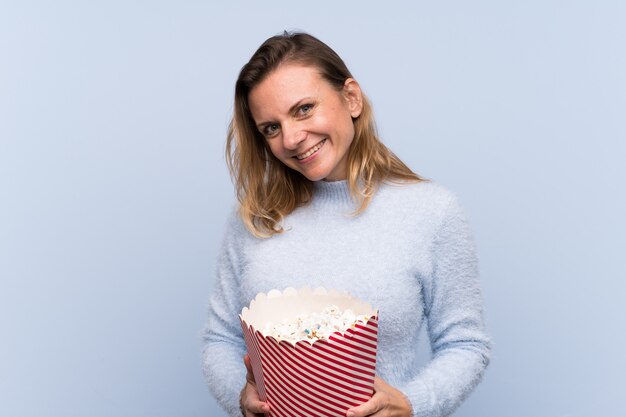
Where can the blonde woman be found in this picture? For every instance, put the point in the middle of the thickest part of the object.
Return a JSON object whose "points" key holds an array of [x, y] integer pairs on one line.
{"points": [[322, 202]]}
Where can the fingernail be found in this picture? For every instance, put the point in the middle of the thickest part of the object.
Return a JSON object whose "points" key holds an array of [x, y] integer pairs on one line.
{"points": [[350, 414]]}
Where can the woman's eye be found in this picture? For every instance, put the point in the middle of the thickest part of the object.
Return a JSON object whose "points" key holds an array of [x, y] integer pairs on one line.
{"points": [[305, 109], [270, 130]]}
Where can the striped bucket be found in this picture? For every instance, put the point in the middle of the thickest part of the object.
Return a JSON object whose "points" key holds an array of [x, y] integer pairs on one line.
{"points": [[323, 378]]}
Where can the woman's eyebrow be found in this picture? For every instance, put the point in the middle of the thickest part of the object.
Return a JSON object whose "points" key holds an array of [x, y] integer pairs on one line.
{"points": [[291, 110], [298, 104]]}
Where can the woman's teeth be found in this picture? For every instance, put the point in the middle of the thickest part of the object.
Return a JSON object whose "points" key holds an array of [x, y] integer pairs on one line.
{"points": [[311, 151]]}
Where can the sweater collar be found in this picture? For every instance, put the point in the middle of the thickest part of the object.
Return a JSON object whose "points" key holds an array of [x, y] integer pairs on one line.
{"points": [[333, 193]]}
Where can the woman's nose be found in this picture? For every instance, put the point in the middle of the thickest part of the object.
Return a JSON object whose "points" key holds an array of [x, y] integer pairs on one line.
{"points": [[292, 136]]}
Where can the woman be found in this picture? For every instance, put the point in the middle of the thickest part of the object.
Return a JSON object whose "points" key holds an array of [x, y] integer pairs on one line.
{"points": [[324, 203]]}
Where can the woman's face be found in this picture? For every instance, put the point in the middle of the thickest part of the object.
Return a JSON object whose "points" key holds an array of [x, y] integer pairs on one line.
{"points": [[307, 123]]}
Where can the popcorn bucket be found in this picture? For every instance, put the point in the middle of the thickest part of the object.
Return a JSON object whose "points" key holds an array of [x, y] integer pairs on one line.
{"points": [[319, 378]]}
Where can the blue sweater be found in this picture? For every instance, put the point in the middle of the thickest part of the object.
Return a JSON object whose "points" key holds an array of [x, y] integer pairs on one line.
{"points": [[410, 253]]}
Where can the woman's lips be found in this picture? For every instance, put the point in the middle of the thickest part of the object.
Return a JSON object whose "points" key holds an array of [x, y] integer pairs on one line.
{"points": [[311, 151]]}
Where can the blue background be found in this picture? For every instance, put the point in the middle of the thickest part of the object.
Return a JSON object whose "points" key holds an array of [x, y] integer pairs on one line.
{"points": [[114, 190]]}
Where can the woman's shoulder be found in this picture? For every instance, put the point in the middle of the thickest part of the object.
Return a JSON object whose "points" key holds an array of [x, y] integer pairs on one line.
{"points": [[419, 208], [422, 194], [235, 230], [425, 205]]}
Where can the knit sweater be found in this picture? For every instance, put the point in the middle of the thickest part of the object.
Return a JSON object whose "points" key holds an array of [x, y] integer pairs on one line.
{"points": [[410, 254]]}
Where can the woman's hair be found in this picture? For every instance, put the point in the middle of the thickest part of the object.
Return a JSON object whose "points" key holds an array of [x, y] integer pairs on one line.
{"points": [[267, 189]]}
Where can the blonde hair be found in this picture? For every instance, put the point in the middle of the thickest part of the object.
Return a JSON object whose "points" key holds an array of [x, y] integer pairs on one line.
{"points": [[268, 190]]}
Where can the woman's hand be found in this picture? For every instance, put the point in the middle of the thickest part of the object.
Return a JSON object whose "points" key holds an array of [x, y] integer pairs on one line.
{"points": [[386, 402], [249, 400]]}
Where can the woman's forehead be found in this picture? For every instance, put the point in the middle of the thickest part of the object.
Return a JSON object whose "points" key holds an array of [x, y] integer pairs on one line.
{"points": [[284, 87]]}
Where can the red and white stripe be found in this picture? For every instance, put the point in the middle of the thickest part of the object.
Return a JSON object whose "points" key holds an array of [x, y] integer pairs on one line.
{"points": [[322, 379]]}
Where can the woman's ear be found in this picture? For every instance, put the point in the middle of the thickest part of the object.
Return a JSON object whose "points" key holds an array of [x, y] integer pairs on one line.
{"points": [[353, 96]]}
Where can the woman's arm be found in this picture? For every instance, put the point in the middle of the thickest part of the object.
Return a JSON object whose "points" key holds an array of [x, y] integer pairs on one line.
{"points": [[224, 347], [454, 312], [461, 348]]}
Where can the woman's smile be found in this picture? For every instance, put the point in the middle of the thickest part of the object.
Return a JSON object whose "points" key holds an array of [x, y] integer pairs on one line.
{"points": [[303, 157]]}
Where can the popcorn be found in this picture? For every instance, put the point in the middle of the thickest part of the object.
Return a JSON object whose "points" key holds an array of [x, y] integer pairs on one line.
{"points": [[312, 351], [314, 326]]}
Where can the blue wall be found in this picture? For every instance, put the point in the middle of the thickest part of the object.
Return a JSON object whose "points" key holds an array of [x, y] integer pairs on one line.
{"points": [[114, 191]]}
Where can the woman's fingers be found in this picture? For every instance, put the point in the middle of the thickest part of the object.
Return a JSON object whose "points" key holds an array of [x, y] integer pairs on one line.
{"points": [[368, 408], [386, 402], [246, 361], [373, 405], [251, 404]]}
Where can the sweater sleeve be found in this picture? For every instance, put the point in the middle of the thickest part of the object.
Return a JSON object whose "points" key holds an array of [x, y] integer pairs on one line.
{"points": [[454, 314], [224, 347]]}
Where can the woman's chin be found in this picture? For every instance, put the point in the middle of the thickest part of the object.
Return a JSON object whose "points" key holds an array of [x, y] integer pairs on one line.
{"points": [[314, 175]]}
